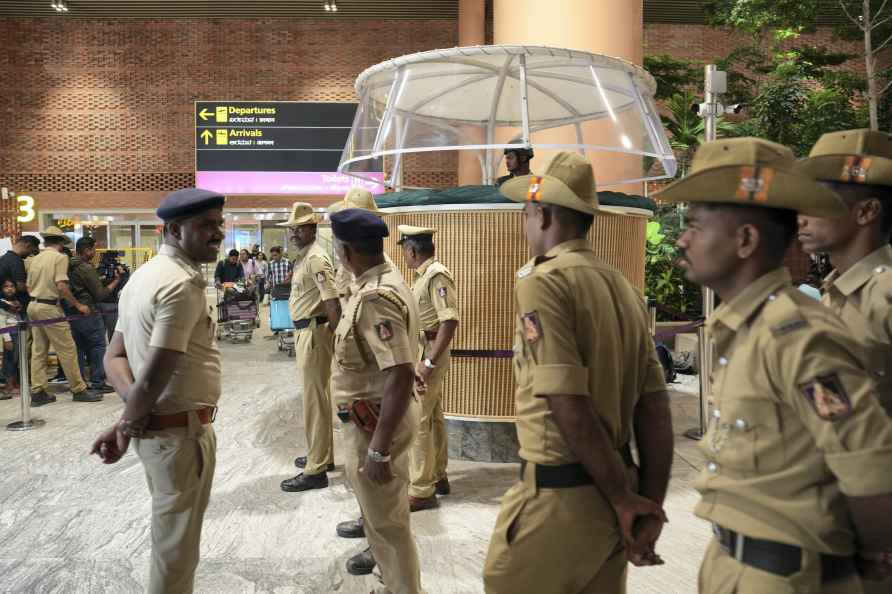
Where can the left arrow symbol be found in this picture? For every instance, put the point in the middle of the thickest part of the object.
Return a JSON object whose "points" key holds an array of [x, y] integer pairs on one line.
{"points": [[206, 136], [204, 113]]}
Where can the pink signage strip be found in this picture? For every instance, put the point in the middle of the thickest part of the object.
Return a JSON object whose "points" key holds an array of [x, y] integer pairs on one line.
{"points": [[284, 182]]}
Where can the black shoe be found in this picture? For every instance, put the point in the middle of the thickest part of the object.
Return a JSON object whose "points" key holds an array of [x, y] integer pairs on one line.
{"points": [[351, 529], [361, 563], [301, 462], [41, 397], [88, 396], [442, 487], [305, 482], [103, 389], [59, 379]]}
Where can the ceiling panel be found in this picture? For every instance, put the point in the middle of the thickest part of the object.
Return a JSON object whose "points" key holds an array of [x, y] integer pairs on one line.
{"points": [[366, 9]]}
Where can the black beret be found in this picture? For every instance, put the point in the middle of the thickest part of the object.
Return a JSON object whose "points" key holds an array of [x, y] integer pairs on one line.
{"points": [[187, 202], [357, 224]]}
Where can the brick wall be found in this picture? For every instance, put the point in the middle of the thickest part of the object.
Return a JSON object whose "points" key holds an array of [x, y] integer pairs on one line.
{"points": [[94, 111], [99, 113]]}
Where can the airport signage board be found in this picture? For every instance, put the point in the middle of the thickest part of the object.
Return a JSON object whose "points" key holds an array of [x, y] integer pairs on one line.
{"points": [[274, 147]]}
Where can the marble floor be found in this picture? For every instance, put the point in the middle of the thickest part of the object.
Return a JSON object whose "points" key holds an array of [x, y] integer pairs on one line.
{"points": [[69, 524]]}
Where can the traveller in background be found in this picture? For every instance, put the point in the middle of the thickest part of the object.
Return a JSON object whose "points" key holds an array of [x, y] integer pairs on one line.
{"points": [[279, 276], [228, 270], [10, 315], [261, 265]]}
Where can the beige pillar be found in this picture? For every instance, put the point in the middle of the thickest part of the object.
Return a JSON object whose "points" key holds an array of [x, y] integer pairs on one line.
{"points": [[471, 31], [610, 27]]}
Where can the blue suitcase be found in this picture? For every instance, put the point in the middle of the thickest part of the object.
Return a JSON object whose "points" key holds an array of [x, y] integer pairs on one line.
{"points": [[279, 316]]}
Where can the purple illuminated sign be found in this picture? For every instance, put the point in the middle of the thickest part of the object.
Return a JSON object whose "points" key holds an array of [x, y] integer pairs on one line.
{"points": [[284, 182]]}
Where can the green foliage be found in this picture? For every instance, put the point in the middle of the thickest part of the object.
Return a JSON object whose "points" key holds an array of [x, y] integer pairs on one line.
{"points": [[825, 110], [777, 109], [664, 279], [754, 16], [673, 76]]}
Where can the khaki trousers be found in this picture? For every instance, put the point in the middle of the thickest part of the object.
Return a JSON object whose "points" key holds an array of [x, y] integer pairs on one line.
{"points": [[428, 456], [722, 574], [59, 336], [313, 354], [179, 465], [385, 508], [560, 541]]}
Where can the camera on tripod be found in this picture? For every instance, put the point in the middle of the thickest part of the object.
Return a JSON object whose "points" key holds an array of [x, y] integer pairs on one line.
{"points": [[108, 264]]}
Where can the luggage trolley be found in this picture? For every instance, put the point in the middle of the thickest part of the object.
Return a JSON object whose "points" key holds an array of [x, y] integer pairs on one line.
{"points": [[236, 312], [280, 318]]}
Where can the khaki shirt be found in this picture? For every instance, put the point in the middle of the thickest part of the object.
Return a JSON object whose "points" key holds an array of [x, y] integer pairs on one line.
{"points": [[581, 330], [45, 270], [796, 423], [163, 305], [434, 290], [312, 282], [379, 330], [862, 297], [344, 280]]}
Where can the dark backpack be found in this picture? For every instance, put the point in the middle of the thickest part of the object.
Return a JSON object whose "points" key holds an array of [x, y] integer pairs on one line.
{"points": [[665, 357]]}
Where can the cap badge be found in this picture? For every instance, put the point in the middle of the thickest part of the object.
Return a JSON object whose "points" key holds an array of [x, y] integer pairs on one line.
{"points": [[855, 169], [534, 192], [754, 183]]}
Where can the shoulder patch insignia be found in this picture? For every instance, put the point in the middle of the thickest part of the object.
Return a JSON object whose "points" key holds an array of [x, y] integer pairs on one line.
{"points": [[320, 277], [532, 328], [787, 327], [385, 330], [441, 292], [827, 397]]}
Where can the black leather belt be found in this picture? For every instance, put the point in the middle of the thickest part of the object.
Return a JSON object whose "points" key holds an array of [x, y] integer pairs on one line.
{"points": [[47, 301], [777, 557], [565, 476], [304, 323]]}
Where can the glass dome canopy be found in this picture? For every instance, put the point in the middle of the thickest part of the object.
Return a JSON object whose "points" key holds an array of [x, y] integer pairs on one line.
{"points": [[489, 98]]}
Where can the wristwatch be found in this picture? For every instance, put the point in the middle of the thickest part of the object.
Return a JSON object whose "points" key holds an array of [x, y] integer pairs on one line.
{"points": [[429, 364], [376, 456]]}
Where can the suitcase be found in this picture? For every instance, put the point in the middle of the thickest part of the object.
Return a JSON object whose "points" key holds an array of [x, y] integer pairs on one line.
{"points": [[279, 315]]}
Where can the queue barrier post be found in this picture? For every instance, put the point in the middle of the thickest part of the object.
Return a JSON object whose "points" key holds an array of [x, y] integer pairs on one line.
{"points": [[27, 422]]}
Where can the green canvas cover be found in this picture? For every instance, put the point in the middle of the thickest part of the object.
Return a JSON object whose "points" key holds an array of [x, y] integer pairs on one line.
{"points": [[491, 195]]}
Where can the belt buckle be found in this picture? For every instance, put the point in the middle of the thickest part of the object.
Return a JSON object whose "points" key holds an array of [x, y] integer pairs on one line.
{"points": [[738, 547]]}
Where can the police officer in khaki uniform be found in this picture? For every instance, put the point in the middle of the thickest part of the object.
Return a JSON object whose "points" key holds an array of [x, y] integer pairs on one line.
{"points": [[375, 350], [791, 485], [354, 198], [434, 290], [587, 373], [47, 284], [857, 165], [163, 361], [315, 310], [362, 563]]}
